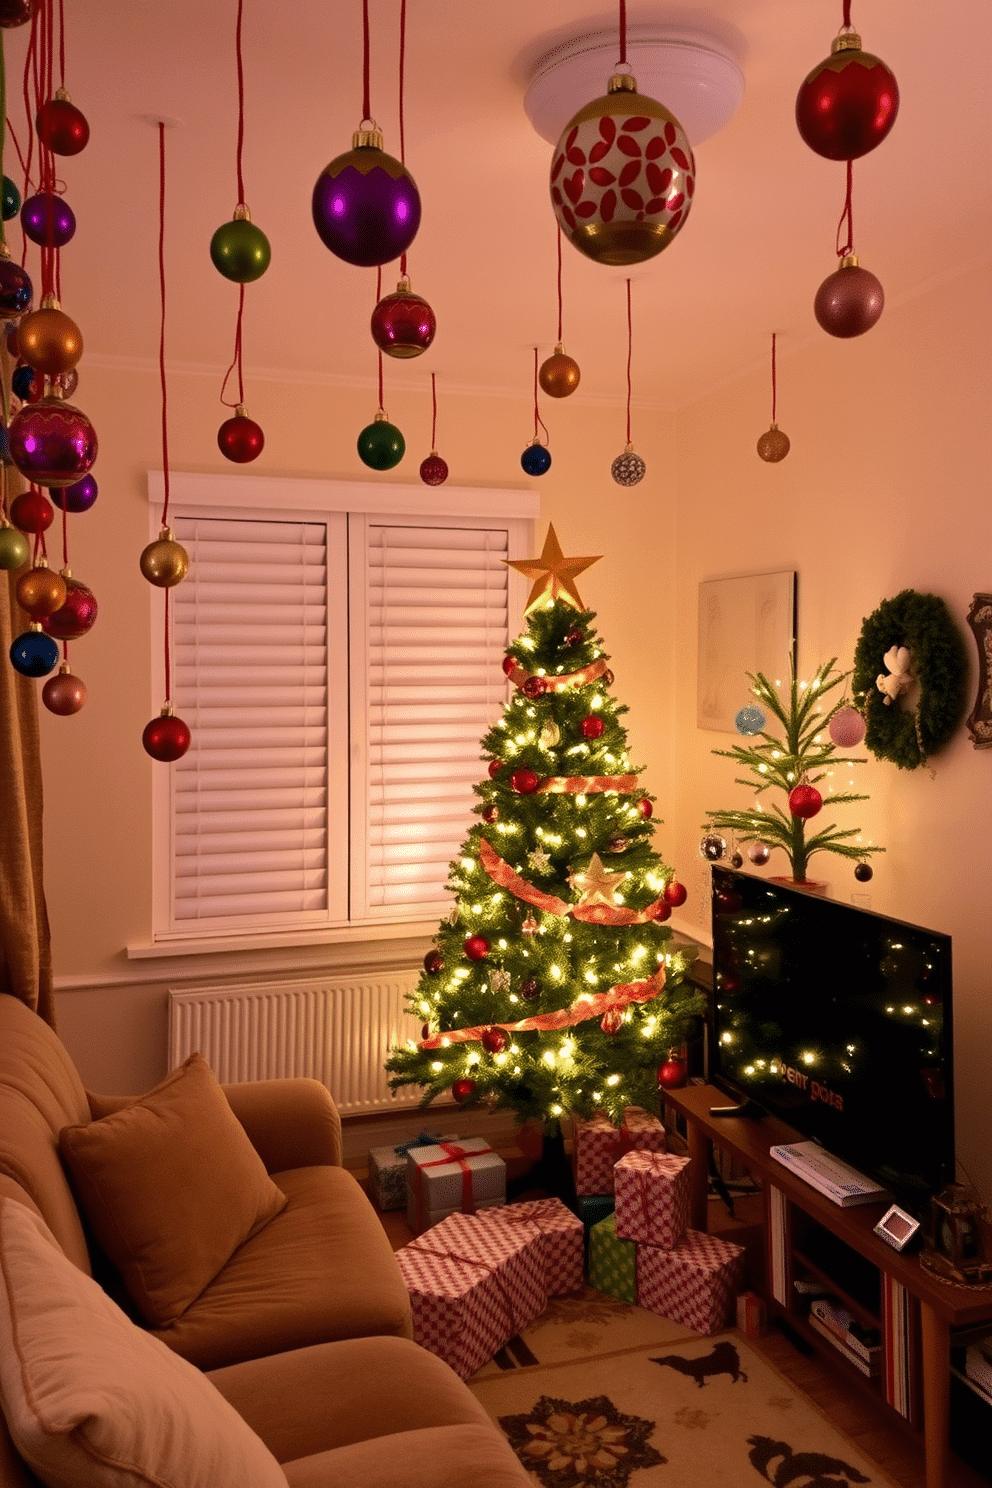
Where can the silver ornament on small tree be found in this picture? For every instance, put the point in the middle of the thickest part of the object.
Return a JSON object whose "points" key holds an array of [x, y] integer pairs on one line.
{"points": [[713, 847]]}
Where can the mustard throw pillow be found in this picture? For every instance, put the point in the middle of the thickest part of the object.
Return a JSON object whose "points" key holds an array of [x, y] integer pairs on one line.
{"points": [[171, 1186], [91, 1399]]}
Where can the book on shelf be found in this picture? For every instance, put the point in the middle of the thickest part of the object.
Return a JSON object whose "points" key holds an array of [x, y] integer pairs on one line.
{"points": [[865, 1342], [869, 1367]]}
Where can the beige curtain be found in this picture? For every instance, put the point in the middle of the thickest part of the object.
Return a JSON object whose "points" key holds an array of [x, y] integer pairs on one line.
{"points": [[25, 943]]}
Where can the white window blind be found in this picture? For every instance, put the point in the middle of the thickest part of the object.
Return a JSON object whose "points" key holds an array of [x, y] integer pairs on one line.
{"points": [[250, 648], [436, 626]]}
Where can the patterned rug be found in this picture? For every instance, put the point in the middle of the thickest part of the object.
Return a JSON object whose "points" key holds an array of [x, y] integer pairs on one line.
{"points": [[598, 1394]]}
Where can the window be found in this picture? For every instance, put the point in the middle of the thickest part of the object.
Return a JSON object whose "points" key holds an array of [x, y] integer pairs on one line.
{"points": [[337, 665]]}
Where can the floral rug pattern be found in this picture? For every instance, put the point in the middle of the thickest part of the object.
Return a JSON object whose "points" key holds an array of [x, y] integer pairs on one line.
{"points": [[566, 1444]]}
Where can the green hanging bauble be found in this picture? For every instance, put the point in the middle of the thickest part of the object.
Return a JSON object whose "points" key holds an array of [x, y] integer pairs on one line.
{"points": [[240, 250], [380, 444]]}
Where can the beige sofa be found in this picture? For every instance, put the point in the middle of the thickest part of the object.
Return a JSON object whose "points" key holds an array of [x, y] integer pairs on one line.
{"points": [[306, 1330]]}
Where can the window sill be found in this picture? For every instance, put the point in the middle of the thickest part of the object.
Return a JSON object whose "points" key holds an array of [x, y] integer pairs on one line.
{"points": [[350, 936]]}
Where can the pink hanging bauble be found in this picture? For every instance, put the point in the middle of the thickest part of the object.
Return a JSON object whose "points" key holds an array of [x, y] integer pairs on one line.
{"points": [[847, 728], [622, 176], [52, 442], [847, 104], [64, 694], [77, 614], [850, 300]]}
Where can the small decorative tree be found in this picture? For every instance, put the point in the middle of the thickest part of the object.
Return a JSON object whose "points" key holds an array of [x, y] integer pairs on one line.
{"points": [[795, 764]]}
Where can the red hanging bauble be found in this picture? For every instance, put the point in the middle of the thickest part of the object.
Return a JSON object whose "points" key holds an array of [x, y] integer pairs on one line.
{"points": [[663, 911], [525, 781], [494, 768], [490, 813], [239, 438], [530, 989], [476, 947], [433, 470], [403, 324], [462, 1089], [612, 1020], [76, 615], [645, 808], [62, 126], [671, 1074], [805, 801], [494, 1040], [675, 893], [847, 104], [64, 694], [433, 962], [850, 300], [32, 512], [622, 176], [592, 727], [508, 663], [166, 738], [534, 687], [573, 637]]}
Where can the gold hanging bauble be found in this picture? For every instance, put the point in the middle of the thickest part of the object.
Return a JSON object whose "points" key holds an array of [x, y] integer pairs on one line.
{"points": [[559, 375], [773, 445], [164, 562], [49, 340], [41, 591]]}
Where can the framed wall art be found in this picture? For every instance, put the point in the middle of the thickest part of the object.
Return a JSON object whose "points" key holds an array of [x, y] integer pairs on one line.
{"points": [[746, 624], [980, 718]]}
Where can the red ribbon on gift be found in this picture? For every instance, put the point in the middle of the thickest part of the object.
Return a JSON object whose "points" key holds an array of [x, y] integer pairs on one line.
{"points": [[454, 1154], [494, 1272]]}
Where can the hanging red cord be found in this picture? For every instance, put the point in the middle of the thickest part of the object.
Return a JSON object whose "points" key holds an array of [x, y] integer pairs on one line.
{"points": [[559, 286], [402, 127], [847, 14], [161, 338], [433, 412], [237, 363], [366, 92], [774, 378], [623, 31], [241, 103], [61, 44], [630, 343], [537, 417], [848, 245]]}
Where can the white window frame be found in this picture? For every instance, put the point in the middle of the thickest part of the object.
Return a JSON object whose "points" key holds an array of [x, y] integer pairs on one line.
{"points": [[322, 501]]}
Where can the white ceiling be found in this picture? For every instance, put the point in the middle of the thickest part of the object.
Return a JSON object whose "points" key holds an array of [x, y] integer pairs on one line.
{"points": [[759, 240]]}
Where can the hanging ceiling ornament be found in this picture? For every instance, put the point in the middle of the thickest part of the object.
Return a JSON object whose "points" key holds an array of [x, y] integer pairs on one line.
{"points": [[773, 445], [381, 446], [433, 470], [628, 468], [851, 299], [536, 458], [366, 206], [847, 104], [165, 562], [61, 126], [403, 324], [559, 375], [622, 173]]}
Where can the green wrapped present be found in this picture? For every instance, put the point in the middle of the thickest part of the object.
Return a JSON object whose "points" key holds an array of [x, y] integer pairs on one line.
{"points": [[612, 1261]]}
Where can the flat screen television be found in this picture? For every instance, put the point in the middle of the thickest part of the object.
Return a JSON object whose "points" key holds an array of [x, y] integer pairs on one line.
{"points": [[838, 1021]]}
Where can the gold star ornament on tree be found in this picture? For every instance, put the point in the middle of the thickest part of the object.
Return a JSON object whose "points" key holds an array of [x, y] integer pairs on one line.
{"points": [[553, 574], [595, 884]]}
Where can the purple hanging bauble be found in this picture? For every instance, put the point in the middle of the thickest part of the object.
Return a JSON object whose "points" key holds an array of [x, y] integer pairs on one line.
{"points": [[51, 442], [366, 206], [78, 497], [15, 286], [48, 219]]}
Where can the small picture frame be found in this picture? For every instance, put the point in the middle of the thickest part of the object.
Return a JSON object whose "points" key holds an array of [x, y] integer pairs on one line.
{"points": [[897, 1228]]}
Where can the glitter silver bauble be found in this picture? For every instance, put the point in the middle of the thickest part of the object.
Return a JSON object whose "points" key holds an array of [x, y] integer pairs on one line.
{"points": [[713, 847], [627, 469]]}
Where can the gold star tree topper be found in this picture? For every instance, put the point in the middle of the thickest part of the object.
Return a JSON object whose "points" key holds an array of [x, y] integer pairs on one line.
{"points": [[595, 884], [553, 573]]}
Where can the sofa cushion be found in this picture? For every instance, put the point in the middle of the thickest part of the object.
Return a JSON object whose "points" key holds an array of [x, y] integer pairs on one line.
{"points": [[171, 1186], [322, 1269], [434, 1458], [89, 1398]]}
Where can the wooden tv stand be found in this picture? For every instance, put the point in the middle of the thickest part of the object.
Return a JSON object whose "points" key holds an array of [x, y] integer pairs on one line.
{"points": [[807, 1236]]}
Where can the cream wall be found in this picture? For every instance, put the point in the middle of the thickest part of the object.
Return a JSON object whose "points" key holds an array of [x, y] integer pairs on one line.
{"points": [[98, 779], [886, 487]]}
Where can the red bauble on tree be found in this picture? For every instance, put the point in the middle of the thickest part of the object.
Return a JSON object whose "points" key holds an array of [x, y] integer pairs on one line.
{"points": [[462, 1089], [805, 801], [592, 727], [494, 1040], [534, 687], [433, 962], [663, 912], [645, 808], [494, 768], [240, 439], [525, 781], [671, 1074], [530, 989], [848, 104], [675, 893], [490, 813], [612, 1020], [476, 947]]}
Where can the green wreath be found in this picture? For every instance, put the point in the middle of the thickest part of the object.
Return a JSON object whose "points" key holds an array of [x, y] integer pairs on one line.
{"points": [[923, 624]]}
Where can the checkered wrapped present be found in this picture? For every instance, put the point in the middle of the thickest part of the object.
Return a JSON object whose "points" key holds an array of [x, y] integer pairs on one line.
{"points": [[597, 1145], [450, 1178], [387, 1169], [695, 1283], [561, 1239], [652, 1197], [472, 1285], [612, 1261]]}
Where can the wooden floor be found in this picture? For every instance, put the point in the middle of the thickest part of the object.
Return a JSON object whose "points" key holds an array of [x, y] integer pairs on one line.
{"points": [[897, 1449]]}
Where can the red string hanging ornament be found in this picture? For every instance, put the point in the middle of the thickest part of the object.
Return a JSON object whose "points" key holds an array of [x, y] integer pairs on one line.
{"points": [[16, 290], [773, 445], [65, 693], [381, 445], [849, 102], [366, 206], [433, 470], [622, 173], [559, 374], [165, 562], [536, 458], [851, 299], [628, 468]]}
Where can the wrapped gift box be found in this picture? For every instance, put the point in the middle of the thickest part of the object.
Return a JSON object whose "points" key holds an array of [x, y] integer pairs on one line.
{"points": [[612, 1261], [695, 1283], [450, 1178], [473, 1285], [652, 1197], [597, 1145], [752, 1315], [387, 1169], [560, 1235]]}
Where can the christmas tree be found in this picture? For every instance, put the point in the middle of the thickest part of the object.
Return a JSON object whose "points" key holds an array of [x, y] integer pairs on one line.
{"points": [[552, 985], [795, 764]]}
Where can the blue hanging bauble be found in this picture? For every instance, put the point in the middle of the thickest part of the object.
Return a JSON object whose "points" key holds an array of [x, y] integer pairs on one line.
{"points": [[536, 459], [34, 654], [10, 199], [21, 382], [750, 720]]}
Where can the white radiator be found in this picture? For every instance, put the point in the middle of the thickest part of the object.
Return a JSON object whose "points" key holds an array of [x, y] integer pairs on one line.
{"points": [[338, 1032]]}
